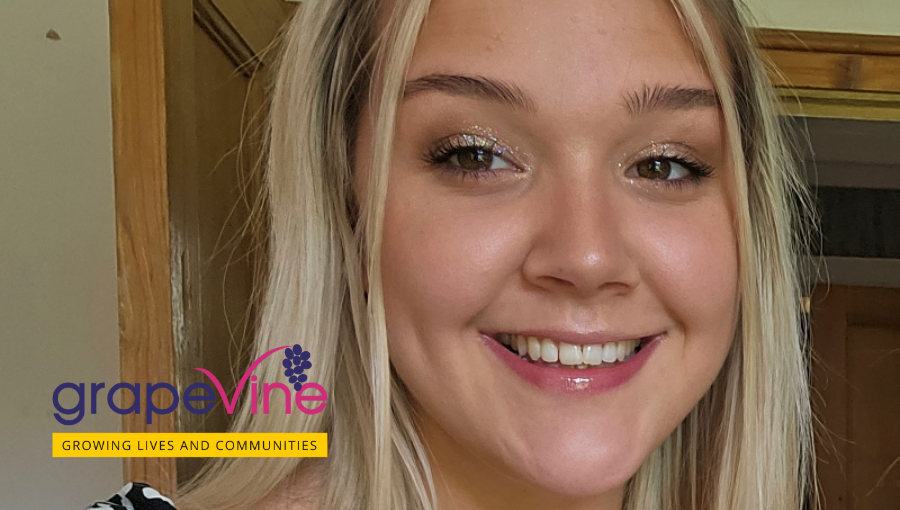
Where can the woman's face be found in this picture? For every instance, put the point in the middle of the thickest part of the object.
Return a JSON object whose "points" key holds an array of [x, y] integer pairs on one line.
{"points": [[560, 172]]}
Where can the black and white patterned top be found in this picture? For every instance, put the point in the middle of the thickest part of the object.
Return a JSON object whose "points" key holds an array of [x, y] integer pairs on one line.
{"points": [[135, 496]]}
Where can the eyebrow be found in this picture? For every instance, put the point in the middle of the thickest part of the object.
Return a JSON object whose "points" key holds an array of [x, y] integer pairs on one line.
{"points": [[471, 86], [637, 102], [663, 98]]}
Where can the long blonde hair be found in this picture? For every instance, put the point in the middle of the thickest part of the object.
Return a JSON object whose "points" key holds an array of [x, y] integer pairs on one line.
{"points": [[746, 445]]}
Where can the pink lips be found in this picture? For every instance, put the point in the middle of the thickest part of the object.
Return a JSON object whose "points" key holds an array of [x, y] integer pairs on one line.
{"points": [[573, 380]]}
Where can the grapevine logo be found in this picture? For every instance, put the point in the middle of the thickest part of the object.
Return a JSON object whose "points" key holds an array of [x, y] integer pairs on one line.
{"points": [[295, 362]]}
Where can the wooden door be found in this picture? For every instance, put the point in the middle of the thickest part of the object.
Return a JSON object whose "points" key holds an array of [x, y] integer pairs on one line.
{"points": [[189, 85], [856, 338]]}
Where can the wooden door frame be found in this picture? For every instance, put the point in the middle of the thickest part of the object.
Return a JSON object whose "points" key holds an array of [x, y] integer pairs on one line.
{"points": [[822, 74], [151, 140], [138, 38], [154, 143]]}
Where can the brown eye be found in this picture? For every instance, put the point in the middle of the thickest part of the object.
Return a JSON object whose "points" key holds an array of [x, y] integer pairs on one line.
{"points": [[470, 155], [474, 159], [669, 170], [665, 169], [657, 169]]}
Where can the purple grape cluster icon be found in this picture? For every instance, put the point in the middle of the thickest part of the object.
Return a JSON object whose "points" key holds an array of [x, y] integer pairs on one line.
{"points": [[296, 360]]}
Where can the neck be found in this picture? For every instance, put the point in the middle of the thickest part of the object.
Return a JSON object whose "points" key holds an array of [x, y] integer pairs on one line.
{"points": [[466, 481]]}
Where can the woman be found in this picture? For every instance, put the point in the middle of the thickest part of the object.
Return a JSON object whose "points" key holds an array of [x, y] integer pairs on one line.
{"points": [[544, 255]]}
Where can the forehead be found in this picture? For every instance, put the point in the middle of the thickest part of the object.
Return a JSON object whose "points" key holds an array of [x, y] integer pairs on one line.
{"points": [[566, 54]]}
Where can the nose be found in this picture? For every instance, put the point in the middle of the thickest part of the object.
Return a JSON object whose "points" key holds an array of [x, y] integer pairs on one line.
{"points": [[581, 244]]}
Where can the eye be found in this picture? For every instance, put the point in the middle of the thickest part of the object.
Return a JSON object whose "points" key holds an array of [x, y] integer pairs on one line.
{"points": [[470, 155], [477, 159], [670, 170], [662, 169]]}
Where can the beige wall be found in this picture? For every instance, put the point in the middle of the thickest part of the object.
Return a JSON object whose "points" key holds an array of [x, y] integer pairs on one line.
{"points": [[58, 319], [880, 17]]}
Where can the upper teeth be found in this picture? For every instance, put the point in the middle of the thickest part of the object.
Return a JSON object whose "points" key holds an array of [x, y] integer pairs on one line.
{"points": [[552, 351]]}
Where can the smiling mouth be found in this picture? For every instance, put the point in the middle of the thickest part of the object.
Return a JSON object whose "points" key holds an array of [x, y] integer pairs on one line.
{"points": [[552, 354]]}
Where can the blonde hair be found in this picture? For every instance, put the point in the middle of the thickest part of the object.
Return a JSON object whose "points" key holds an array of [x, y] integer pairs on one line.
{"points": [[746, 445]]}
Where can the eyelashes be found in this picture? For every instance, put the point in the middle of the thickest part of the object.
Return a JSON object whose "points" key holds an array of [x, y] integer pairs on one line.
{"points": [[471, 156], [479, 157], [659, 166]]}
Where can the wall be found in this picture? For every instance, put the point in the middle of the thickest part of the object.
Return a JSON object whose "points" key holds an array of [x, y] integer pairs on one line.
{"points": [[879, 17], [57, 245]]}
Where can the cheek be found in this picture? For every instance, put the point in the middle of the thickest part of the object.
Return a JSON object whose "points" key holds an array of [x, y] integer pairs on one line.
{"points": [[690, 264], [441, 264], [695, 262]]}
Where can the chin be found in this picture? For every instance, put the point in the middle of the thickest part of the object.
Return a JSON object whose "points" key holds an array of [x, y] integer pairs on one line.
{"points": [[581, 465]]}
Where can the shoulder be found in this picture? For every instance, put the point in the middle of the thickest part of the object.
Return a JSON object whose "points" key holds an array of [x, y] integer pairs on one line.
{"points": [[135, 496], [299, 491]]}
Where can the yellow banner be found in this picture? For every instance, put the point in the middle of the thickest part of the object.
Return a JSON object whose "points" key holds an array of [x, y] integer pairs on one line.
{"points": [[146, 444]]}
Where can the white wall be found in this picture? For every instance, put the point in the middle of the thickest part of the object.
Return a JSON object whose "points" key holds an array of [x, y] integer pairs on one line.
{"points": [[58, 319], [879, 17]]}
